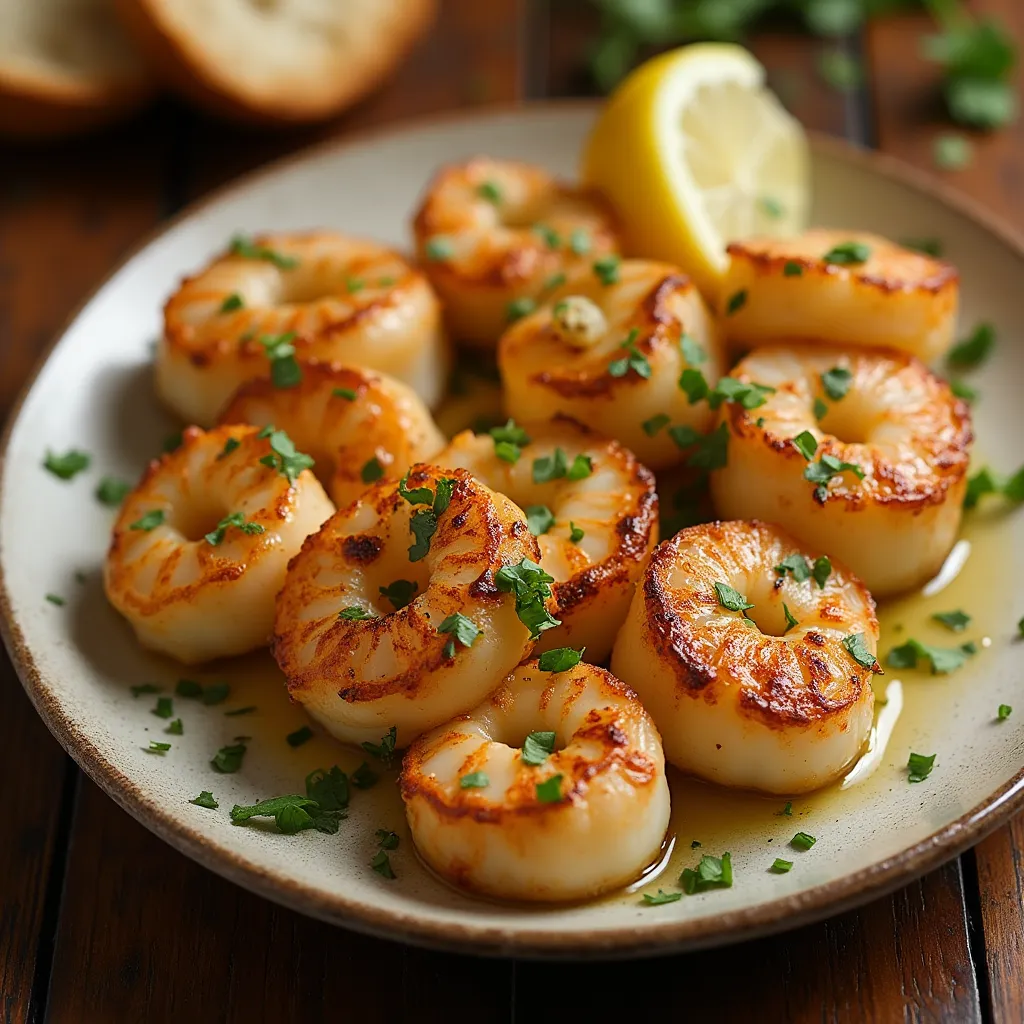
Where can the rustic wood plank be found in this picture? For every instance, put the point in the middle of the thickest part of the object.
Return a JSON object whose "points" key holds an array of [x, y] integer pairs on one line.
{"points": [[46, 211], [146, 933]]}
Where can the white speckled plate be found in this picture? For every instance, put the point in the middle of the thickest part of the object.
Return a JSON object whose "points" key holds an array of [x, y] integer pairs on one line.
{"points": [[78, 661]]}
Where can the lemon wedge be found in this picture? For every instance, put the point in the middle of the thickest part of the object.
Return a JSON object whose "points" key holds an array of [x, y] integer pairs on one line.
{"points": [[693, 150]]}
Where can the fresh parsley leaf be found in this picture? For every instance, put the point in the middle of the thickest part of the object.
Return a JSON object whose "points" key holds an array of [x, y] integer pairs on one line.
{"points": [[550, 790], [963, 390], [821, 570], [634, 359], [731, 599], [156, 747], [791, 620], [112, 491], [560, 659], [349, 394], [381, 863], [300, 736], [474, 780], [372, 470], [489, 190], [973, 350], [684, 435], [231, 303], [857, 647], [711, 449], [216, 693], [385, 750], [400, 593], [693, 352], [710, 873], [836, 382], [416, 496], [848, 254], [188, 688], [236, 519], [550, 467], [518, 308], [787, 810], [228, 759], [1004, 712], [802, 841], [749, 395], [250, 250], [943, 660], [329, 788], [537, 747], [806, 444], [956, 620], [820, 409], [284, 457], [780, 866], [462, 629], [791, 268], [736, 302], [582, 466], [797, 566], [229, 446], [150, 521], [164, 707], [539, 518], [68, 465], [205, 799], [822, 471], [693, 383], [661, 897], [531, 586], [509, 441], [606, 268], [353, 613], [423, 526], [439, 248], [920, 767], [175, 728], [364, 777], [386, 839]]}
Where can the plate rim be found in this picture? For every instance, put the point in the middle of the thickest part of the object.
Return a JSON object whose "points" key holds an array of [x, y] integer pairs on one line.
{"points": [[650, 938]]}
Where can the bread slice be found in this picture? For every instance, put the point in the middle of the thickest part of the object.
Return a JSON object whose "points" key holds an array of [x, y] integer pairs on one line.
{"points": [[282, 61], [65, 66]]}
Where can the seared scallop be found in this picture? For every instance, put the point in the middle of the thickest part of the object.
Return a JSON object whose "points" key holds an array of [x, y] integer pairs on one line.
{"points": [[552, 789], [611, 349], [840, 287], [753, 655], [861, 454]]}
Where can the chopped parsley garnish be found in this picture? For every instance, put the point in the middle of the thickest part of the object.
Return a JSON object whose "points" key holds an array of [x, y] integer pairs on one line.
{"points": [[731, 599], [736, 302], [423, 522], [518, 308], [423, 526], [385, 750], [229, 446], [231, 303], [372, 470], [249, 250], [228, 759], [822, 471], [188, 688], [1004, 712], [537, 747], [329, 788], [283, 456], [928, 246], [381, 863], [806, 444], [439, 247], [956, 620], [791, 619], [532, 587], [65, 466], [349, 394], [575, 533], [164, 707], [836, 382], [462, 629], [386, 839], [353, 613], [150, 521], [821, 570], [364, 777], [216, 693], [802, 841], [205, 799], [791, 268], [579, 242], [964, 391], [820, 409], [857, 647], [400, 593], [919, 767], [986, 481], [943, 660], [112, 491], [711, 449], [539, 518], [710, 873], [684, 435], [144, 688], [634, 359], [694, 385], [175, 728], [748, 395], [155, 747], [236, 519], [560, 659], [661, 897], [489, 190], [548, 235], [797, 566], [607, 268], [693, 352], [848, 254], [321, 808], [780, 866], [550, 790], [56, 599], [300, 736], [509, 441], [787, 810], [556, 465], [474, 780], [285, 371], [973, 350]]}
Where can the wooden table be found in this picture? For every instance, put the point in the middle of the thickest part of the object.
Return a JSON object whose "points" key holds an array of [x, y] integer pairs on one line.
{"points": [[100, 921]]}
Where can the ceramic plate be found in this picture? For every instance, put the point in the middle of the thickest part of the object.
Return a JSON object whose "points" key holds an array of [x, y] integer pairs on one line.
{"points": [[78, 661]]}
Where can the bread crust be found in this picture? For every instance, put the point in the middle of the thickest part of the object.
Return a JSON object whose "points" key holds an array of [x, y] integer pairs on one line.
{"points": [[182, 62]]}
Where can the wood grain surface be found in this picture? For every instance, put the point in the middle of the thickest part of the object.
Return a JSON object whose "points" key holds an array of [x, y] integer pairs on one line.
{"points": [[100, 921]]}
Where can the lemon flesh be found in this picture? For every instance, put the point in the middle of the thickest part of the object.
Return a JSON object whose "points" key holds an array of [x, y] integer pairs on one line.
{"points": [[693, 150]]}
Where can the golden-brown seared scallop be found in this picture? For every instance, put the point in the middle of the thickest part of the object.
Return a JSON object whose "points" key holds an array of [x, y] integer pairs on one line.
{"points": [[840, 287], [320, 295], [753, 656], [496, 236], [201, 546], [582, 808], [593, 509], [358, 425], [878, 480], [610, 350], [393, 614]]}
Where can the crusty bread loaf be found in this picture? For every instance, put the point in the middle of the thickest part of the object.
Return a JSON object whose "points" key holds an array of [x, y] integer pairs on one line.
{"points": [[65, 66], [271, 61]]}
